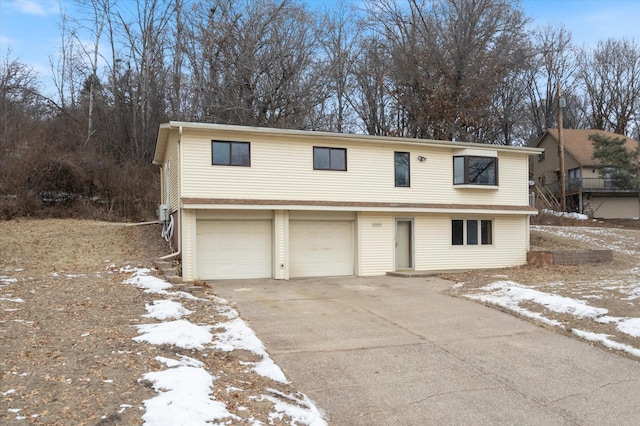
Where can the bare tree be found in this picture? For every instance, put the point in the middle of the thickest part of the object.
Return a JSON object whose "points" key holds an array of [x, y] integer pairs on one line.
{"points": [[256, 63], [145, 42], [553, 63], [339, 36], [610, 77], [93, 23], [448, 59], [21, 108], [371, 99]]}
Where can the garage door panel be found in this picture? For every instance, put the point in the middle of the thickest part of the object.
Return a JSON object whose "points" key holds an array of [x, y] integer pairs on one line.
{"points": [[234, 249], [321, 248]]}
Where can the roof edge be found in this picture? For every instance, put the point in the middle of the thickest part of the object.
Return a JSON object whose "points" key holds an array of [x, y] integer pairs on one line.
{"points": [[349, 136]]}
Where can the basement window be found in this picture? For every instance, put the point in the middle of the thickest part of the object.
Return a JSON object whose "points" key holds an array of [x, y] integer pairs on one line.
{"points": [[471, 232]]}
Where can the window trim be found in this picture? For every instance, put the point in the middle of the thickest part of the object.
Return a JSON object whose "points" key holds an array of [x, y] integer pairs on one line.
{"points": [[395, 169], [479, 240], [230, 144], [466, 171], [330, 149]]}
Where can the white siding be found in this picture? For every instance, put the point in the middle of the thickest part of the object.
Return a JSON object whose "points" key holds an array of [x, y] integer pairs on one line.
{"points": [[281, 235], [376, 251], [282, 169], [188, 219], [172, 168], [435, 252], [432, 242]]}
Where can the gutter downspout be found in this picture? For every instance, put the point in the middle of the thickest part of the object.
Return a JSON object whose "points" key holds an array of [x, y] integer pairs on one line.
{"points": [[174, 254], [155, 222]]}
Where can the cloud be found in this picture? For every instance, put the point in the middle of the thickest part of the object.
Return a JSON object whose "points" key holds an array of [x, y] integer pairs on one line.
{"points": [[34, 7]]}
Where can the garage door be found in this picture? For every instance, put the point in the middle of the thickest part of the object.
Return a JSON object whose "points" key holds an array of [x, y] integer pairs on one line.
{"points": [[320, 248], [233, 249]]}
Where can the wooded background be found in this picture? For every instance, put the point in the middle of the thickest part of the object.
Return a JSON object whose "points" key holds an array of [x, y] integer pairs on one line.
{"points": [[462, 70]]}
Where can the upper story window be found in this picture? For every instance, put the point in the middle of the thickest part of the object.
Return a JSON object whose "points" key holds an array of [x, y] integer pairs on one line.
{"points": [[401, 166], [225, 153], [575, 173], [329, 158], [475, 170]]}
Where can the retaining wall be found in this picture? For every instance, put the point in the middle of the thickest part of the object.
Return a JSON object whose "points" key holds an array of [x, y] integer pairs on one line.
{"points": [[569, 257]]}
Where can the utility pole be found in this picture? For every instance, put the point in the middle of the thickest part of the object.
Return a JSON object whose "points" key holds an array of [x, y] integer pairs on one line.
{"points": [[561, 104]]}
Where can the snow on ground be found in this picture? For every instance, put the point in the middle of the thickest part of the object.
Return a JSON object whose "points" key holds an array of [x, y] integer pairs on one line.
{"points": [[184, 395], [606, 341], [518, 298], [185, 388], [165, 309], [585, 296], [578, 216], [511, 295]]}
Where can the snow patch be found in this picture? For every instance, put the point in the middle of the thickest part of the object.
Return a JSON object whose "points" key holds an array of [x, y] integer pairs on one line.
{"points": [[578, 216], [184, 396], [150, 284], [509, 293], [604, 339], [18, 300], [166, 309], [302, 411], [238, 335], [179, 333]]}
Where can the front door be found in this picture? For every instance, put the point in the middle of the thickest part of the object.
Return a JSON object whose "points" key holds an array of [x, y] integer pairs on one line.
{"points": [[404, 244]]}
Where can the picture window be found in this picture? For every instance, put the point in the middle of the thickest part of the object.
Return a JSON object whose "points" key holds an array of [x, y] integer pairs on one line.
{"points": [[474, 170]]}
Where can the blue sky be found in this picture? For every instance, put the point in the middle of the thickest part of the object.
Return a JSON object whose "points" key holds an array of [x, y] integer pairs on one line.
{"points": [[30, 28]]}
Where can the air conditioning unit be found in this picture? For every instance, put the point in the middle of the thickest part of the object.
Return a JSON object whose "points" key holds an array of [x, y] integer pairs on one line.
{"points": [[163, 213]]}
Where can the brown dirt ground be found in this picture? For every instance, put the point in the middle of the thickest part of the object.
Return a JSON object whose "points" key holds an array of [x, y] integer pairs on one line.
{"points": [[66, 352]]}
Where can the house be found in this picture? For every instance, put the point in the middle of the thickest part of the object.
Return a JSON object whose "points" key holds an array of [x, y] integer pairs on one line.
{"points": [[586, 190], [251, 202]]}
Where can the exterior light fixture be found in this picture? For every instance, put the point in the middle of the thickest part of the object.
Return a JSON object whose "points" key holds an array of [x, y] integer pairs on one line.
{"points": [[421, 158]]}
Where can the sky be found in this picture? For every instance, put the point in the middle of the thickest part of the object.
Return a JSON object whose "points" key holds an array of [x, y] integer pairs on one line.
{"points": [[29, 29]]}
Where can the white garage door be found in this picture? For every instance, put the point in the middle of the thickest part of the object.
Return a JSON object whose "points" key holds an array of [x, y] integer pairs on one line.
{"points": [[230, 249], [320, 248]]}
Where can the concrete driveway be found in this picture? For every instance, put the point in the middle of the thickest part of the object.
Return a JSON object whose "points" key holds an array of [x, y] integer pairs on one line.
{"points": [[397, 351]]}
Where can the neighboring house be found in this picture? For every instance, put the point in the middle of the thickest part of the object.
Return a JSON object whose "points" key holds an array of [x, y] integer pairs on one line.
{"points": [[586, 190], [265, 203]]}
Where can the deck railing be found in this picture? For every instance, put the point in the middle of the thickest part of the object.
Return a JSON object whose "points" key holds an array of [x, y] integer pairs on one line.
{"points": [[589, 185]]}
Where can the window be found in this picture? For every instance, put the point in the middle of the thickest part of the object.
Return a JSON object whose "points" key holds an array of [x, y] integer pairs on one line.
{"points": [[401, 165], [472, 170], [575, 174], [225, 153], [329, 158], [457, 232], [541, 157], [478, 232]]}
